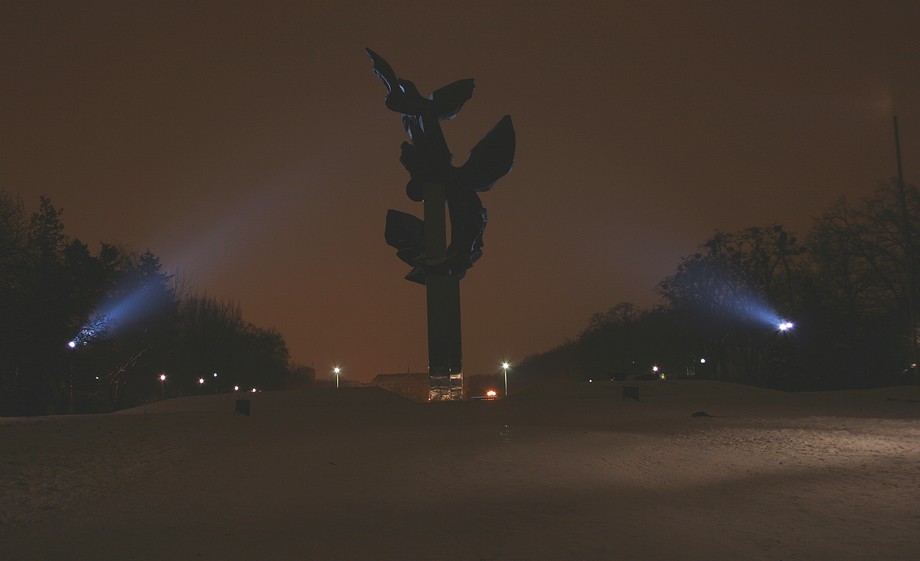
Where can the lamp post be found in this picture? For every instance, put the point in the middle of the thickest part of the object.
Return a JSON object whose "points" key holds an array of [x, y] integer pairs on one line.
{"points": [[72, 345], [336, 370], [162, 386], [505, 367]]}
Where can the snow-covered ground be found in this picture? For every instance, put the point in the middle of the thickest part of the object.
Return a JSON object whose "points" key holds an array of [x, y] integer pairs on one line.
{"points": [[561, 473]]}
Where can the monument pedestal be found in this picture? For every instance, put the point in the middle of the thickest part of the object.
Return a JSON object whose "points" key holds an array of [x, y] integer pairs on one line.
{"points": [[445, 387]]}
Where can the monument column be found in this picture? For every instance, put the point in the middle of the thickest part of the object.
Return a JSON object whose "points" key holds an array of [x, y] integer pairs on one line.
{"points": [[423, 244]]}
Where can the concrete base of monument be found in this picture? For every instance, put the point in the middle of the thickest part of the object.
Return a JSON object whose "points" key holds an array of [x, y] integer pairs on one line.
{"points": [[446, 387]]}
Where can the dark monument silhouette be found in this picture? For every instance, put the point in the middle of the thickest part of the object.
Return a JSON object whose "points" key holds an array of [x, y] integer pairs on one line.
{"points": [[433, 180]]}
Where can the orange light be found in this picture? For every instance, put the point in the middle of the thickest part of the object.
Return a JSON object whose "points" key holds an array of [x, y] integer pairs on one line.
{"points": [[491, 393]]}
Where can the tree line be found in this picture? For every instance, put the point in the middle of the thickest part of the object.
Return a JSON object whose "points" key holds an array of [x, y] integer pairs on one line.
{"points": [[849, 288], [92, 332]]}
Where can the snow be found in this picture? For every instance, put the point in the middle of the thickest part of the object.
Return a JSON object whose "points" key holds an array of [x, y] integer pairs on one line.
{"points": [[560, 472]]}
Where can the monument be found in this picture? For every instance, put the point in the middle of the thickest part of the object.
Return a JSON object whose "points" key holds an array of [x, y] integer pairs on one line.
{"points": [[437, 263]]}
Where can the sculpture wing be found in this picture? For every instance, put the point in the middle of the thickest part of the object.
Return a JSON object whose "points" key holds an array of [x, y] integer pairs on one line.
{"points": [[447, 101], [402, 95], [491, 159], [405, 233], [383, 70]]}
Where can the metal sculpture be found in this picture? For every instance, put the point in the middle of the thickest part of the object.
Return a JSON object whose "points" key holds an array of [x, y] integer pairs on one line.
{"points": [[434, 181]]}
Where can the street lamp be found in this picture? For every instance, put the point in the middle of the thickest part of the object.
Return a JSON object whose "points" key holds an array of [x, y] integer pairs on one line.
{"points": [[73, 345], [162, 386], [505, 367], [336, 370]]}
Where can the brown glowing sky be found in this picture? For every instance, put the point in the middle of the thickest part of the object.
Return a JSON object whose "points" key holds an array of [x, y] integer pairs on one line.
{"points": [[247, 145]]}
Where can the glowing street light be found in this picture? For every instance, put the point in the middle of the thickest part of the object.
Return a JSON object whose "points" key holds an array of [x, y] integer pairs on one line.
{"points": [[73, 345], [506, 366], [336, 370], [162, 386]]}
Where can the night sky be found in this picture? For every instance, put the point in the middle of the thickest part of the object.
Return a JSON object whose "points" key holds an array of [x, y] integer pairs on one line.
{"points": [[247, 145]]}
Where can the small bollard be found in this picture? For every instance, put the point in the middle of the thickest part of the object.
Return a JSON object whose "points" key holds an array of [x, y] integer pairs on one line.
{"points": [[242, 406]]}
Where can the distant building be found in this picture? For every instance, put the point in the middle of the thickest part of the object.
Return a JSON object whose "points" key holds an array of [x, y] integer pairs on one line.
{"points": [[412, 386]]}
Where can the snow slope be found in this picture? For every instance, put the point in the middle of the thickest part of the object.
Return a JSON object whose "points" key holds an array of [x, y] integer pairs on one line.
{"points": [[559, 472]]}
